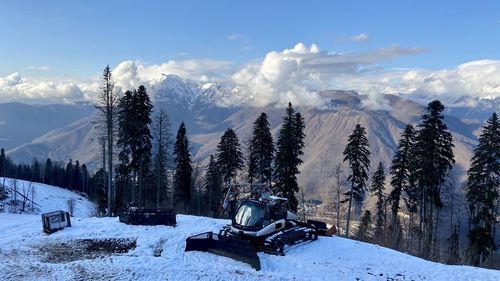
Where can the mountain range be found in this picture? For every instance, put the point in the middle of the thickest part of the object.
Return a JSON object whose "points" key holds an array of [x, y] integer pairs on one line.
{"points": [[203, 106]]}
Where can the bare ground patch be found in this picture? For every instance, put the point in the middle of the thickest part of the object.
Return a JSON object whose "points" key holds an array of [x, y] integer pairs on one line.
{"points": [[85, 249]]}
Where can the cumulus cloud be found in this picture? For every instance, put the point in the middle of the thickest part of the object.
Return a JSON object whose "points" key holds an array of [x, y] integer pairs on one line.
{"points": [[13, 87], [290, 75], [294, 74], [362, 37], [475, 79], [131, 74]]}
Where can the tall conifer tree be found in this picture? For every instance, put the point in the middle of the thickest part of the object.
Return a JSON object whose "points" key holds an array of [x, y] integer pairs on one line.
{"points": [[289, 148], [213, 187], [183, 171], [434, 156], [356, 153], [401, 176], [483, 191], [124, 188], [261, 152], [377, 190], [229, 156]]}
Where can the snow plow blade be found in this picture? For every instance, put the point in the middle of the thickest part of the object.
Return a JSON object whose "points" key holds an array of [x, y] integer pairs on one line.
{"points": [[320, 227], [231, 247]]}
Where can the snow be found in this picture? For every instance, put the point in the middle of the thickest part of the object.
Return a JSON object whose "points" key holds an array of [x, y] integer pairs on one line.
{"points": [[50, 198], [24, 249]]}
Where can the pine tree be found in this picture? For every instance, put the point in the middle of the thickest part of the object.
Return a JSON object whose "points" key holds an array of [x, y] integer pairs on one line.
{"points": [[357, 154], [141, 152], [434, 156], [124, 188], [364, 227], [402, 178], [229, 156], [85, 179], [100, 194], [183, 171], [483, 191], [377, 190], [47, 177], [2, 163], [213, 187], [77, 176], [289, 148], [36, 171], [68, 178], [261, 152]]}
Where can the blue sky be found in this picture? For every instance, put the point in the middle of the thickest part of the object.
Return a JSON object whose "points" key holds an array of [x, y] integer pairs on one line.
{"points": [[56, 49], [76, 38]]}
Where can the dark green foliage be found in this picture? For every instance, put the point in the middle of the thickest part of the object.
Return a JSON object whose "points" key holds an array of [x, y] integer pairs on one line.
{"points": [[123, 182], [377, 190], [434, 158], [183, 171], [3, 163], [36, 171], [289, 148], [356, 153], [100, 195], [261, 152], [85, 178], [141, 145], [483, 191], [47, 176], [69, 174], [229, 156], [213, 187], [134, 143], [364, 227], [402, 177], [77, 176]]}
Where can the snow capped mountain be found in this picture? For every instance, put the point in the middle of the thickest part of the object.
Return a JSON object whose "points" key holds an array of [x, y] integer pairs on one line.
{"points": [[186, 93]]}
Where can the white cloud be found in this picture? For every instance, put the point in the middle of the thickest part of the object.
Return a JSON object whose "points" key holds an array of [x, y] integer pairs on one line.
{"points": [[362, 37], [475, 79], [39, 67], [236, 36], [294, 74], [281, 76], [131, 74], [14, 87]]}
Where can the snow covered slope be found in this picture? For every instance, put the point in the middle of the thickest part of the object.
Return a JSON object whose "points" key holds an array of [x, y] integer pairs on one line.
{"points": [[28, 254], [47, 198]]}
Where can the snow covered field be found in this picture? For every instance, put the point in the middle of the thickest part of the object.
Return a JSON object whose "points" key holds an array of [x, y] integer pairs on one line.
{"points": [[26, 253], [47, 197]]}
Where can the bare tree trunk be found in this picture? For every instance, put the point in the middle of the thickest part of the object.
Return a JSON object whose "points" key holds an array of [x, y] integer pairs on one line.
{"points": [[104, 180], [421, 222], [110, 169], [107, 104], [338, 172], [349, 212]]}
